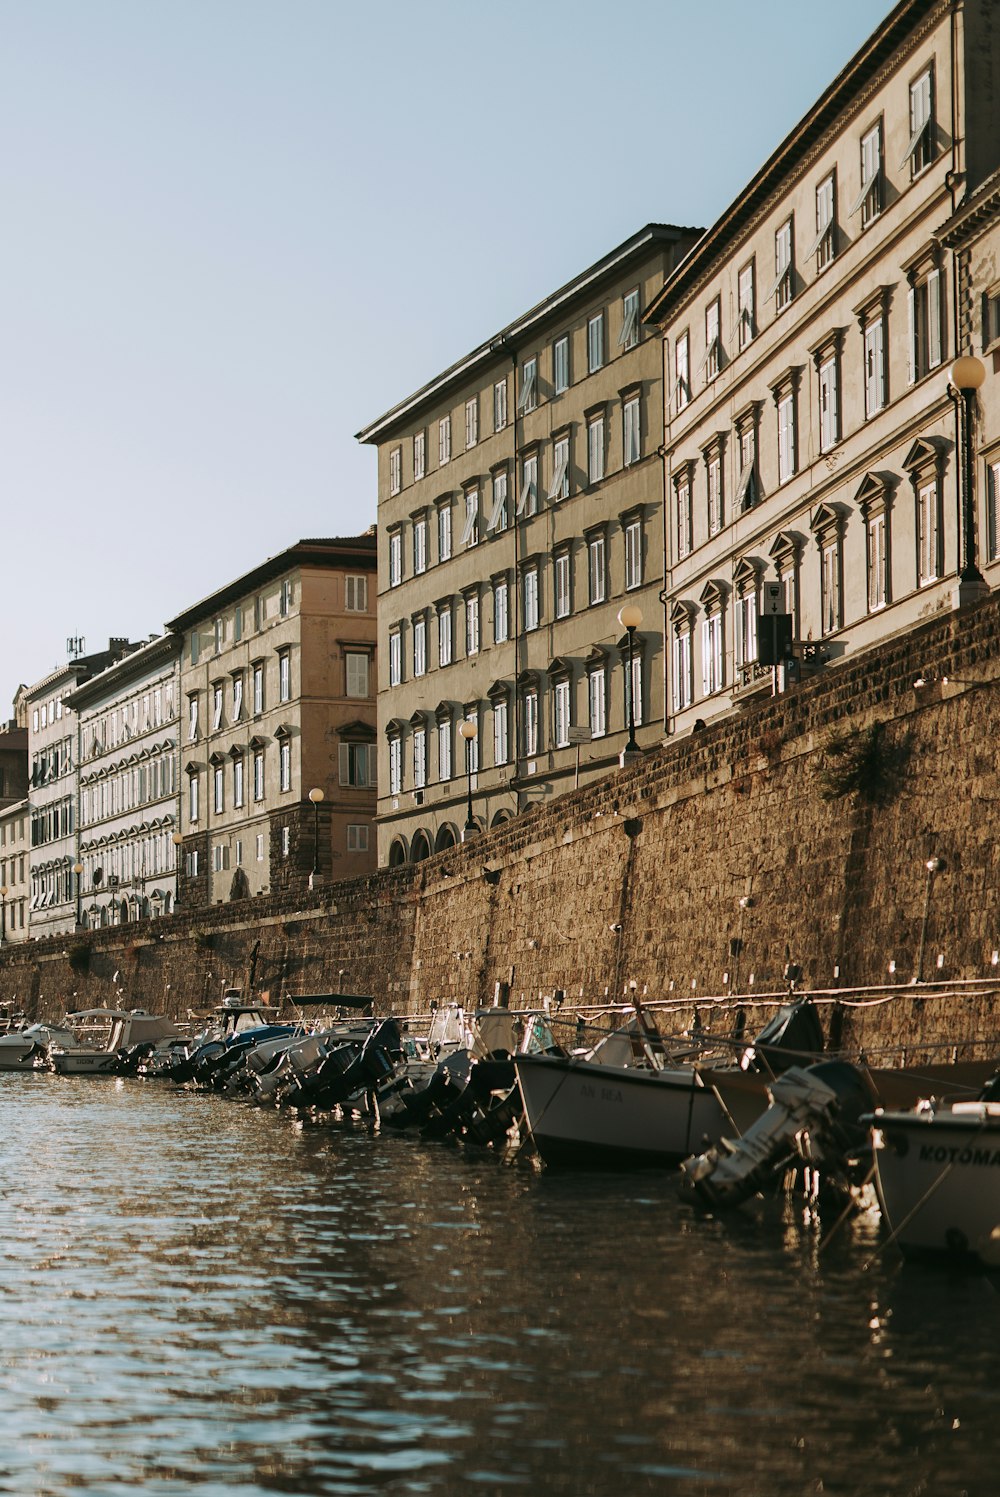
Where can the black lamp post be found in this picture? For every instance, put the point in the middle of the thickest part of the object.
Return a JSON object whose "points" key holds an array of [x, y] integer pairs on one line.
{"points": [[315, 795], [967, 375], [630, 617], [78, 870], [4, 891], [468, 731]]}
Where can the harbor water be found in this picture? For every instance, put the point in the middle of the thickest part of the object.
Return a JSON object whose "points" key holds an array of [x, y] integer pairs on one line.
{"points": [[200, 1297]]}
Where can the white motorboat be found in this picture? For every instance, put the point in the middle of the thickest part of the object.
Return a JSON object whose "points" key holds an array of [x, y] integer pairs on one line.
{"points": [[937, 1174], [27, 1049], [100, 1035]]}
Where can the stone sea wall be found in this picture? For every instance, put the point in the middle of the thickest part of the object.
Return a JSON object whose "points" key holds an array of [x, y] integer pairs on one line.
{"points": [[705, 870]]}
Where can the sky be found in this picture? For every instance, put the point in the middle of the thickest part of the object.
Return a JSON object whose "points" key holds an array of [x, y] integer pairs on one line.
{"points": [[236, 231]]}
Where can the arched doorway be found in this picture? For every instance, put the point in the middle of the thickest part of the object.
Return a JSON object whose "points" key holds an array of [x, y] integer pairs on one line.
{"points": [[397, 853], [420, 847], [446, 837]]}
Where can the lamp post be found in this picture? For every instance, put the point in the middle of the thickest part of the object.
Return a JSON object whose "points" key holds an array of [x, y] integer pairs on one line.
{"points": [[468, 731], [78, 870], [630, 617], [178, 840], [315, 795], [4, 891], [967, 375]]}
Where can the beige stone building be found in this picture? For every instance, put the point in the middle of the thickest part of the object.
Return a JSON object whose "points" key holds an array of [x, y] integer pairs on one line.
{"points": [[812, 476], [15, 870], [277, 695], [519, 504]]}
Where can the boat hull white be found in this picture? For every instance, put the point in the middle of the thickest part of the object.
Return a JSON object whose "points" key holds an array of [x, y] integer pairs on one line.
{"points": [[581, 1113], [937, 1173], [84, 1063]]}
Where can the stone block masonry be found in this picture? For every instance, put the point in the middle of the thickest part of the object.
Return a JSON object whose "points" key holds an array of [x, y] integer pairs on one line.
{"points": [[705, 870]]}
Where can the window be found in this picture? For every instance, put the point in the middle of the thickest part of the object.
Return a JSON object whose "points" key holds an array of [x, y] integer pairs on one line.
{"points": [[745, 305], [420, 646], [529, 588], [920, 151], [877, 562], [259, 612], [498, 514], [419, 455], [635, 688], [500, 611], [237, 711], [629, 335], [472, 624], [444, 749], [596, 569], [193, 784], [444, 531], [560, 364], [395, 766], [238, 781], [631, 439], [444, 441], [875, 371], [926, 328], [528, 398], [682, 370], [220, 859], [559, 488], [258, 774], [713, 476], [471, 422], [529, 723], [395, 558], [562, 581], [285, 765], [869, 198], [284, 677], [786, 435], [829, 404], [830, 584], [357, 838], [633, 554], [991, 316], [286, 841], [746, 486], [218, 778], [192, 718], [355, 764], [928, 551], [824, 246], [712, 656], [419, 545], [595, 448], [356, 594], [993, 511], [597, 702], [682, 513], [595, 342], [419, 758], [217, 703], [683, 687], [470, 535], [501, 736], [713, 314], [500, 405], [561, 713], [783, 266], [285, 599], [395, 657], [527, 503], [444, 634], [237, 623]]}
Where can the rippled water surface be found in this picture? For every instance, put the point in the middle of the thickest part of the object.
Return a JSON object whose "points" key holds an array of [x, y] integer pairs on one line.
{"points": [[197, 1296]]}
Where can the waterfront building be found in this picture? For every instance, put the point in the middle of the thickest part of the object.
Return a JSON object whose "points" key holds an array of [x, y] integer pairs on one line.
{"points": [[15, 855], [53, 757], [128, 725], [519, 511], [812, 479], [277, 694]]}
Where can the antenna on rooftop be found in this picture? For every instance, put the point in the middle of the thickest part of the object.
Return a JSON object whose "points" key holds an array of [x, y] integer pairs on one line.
{"points": [[76, 647]]}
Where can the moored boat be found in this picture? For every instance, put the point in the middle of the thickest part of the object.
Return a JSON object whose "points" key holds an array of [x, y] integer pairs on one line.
{"points": [[99, 1036]]}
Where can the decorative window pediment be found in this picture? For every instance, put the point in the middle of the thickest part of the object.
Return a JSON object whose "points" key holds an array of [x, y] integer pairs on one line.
{"points": [[418, 720], [559, 666], [216, 759], [786, 383], [829, 520], [597, 659], [926, 452], [747, 573], [444, 711], [874, 493], [282, 731], [498, 691], [236, 752], [786, 547], [714, 594], [358, 731], [526, 680], [395, 728]]}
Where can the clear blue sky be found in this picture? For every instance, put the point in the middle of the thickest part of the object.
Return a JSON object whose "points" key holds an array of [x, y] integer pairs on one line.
{"points": [[234, 231]]}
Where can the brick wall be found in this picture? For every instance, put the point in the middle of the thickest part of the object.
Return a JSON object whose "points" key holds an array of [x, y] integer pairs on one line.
{"points": [[640, 877]]}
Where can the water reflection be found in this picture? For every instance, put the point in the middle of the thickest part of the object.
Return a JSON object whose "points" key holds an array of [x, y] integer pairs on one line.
{"points": [[197, 1296]]}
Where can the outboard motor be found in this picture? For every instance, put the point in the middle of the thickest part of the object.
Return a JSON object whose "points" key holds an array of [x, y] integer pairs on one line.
{"points": [[814, 1118]]}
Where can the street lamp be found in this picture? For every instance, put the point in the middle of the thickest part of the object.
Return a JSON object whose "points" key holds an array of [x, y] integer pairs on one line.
{"points": [[630, 617], [967, 375], [315, 795], [78, 870], [468, 731], [4, 891], [178, 840]]}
